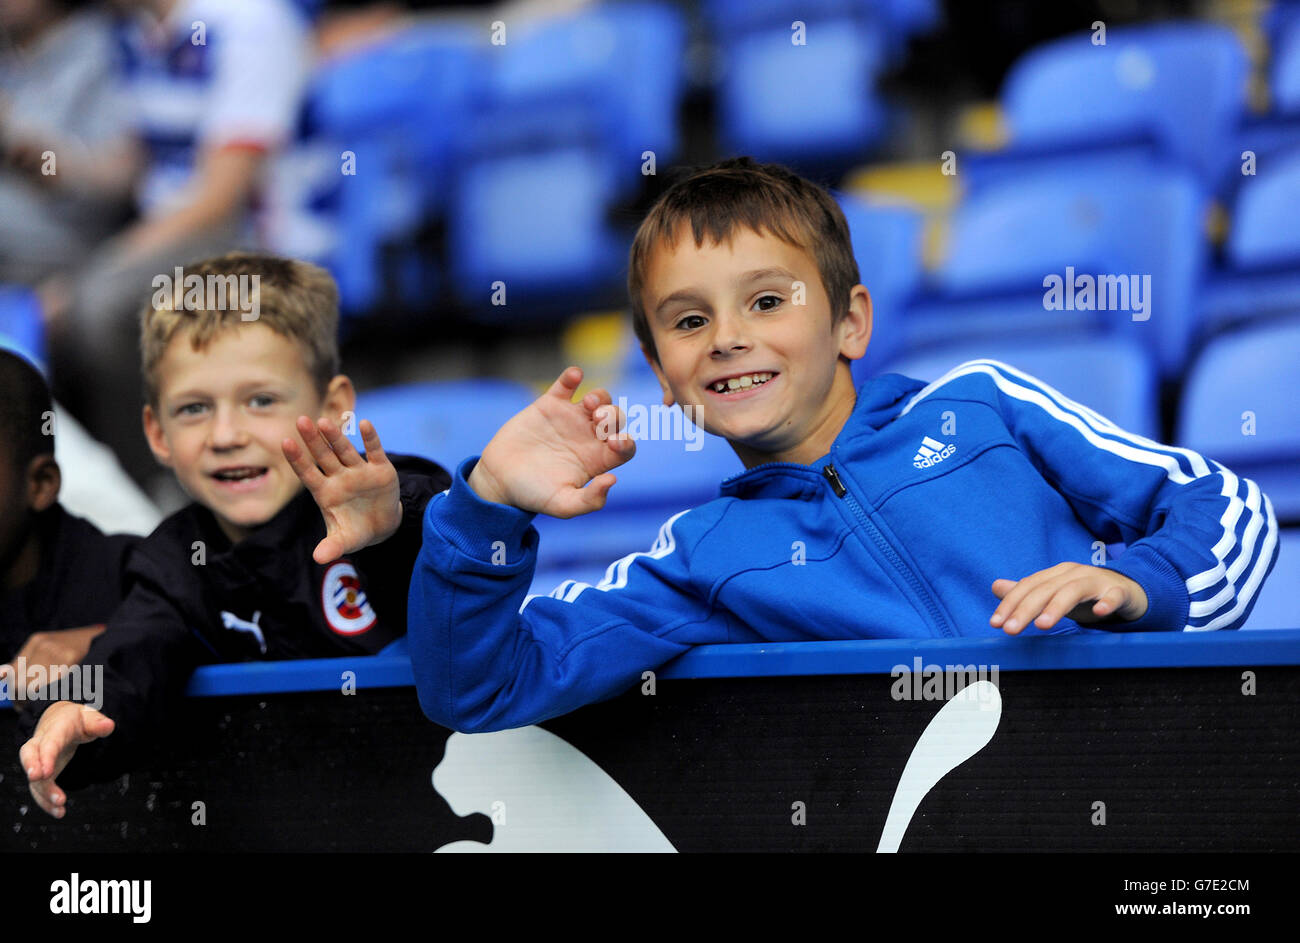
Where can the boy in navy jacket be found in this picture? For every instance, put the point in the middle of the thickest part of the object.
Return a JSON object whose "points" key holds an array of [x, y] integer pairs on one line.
{"points": [[230, 576], [898, 510]]}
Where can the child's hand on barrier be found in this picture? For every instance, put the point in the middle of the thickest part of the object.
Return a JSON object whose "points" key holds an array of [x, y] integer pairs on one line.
{"points": [[359, 498], [555, 456], [1081, 592], [63, 727]]}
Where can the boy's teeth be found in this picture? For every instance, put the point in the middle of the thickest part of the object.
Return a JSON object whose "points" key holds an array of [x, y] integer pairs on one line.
{"points": [[742, 383], [238, 474]]}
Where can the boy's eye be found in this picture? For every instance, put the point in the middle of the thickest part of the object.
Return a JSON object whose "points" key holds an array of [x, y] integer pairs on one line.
{"points": [[690, 322], [768, 302], [190, 409], [262, 401]]}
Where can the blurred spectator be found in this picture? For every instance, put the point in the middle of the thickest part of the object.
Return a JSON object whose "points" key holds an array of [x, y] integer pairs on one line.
{"points": [[57, 85], [213, 90]]}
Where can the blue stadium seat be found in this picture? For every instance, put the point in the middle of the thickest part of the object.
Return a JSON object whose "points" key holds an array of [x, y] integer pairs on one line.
{"points": [[397, 107], [21, 327], [978, 170], [535, 222], [894, 21], [445, 421], [725, 17], [571, 104], [810, 104], [1276, 606], [937, 319], [887, 247], [1274, 135], [1286, 65], [416, 84], [1265, 225], [1180, 87], [620, 63], [1007, 239], [310, 9], [1110, 376], [1262, 278], [1244, 380], [1232, 298], [1267, 139], [1096, 221], [1280, 17], [905, 19]]}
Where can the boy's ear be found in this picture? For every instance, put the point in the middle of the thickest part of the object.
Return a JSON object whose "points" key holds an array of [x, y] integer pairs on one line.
{"points": [[855, 327], [659, 375], [43, 482], [153, 432], [340, 398]]}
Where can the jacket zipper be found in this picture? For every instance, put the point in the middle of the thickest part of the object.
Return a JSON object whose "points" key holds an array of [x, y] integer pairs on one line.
{"points": [[889, 552]]}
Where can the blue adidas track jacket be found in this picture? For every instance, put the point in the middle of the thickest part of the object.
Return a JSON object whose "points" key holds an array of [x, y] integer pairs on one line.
{"points": [[928, 495]]}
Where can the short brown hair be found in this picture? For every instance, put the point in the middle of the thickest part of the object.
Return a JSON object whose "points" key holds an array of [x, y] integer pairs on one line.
{"points": [[295, 299], [739, 192]]}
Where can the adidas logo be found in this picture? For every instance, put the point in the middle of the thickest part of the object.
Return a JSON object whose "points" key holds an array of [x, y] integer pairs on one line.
{"points": [[932, 453]]}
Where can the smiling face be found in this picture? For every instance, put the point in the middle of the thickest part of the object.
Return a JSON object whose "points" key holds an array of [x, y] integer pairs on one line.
{"points": [[222, 413], [768, 374]]}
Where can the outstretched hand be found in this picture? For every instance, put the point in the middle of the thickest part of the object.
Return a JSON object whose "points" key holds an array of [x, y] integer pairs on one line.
{"points": [[1081, 592], [359, 498], [555, 456], [62, 728]]}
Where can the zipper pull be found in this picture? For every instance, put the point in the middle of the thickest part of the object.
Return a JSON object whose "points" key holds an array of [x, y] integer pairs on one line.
{"points": [[834, 478]]}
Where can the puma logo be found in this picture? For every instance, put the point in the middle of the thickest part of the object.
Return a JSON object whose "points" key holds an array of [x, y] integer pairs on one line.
{"points": [[232, 621]]}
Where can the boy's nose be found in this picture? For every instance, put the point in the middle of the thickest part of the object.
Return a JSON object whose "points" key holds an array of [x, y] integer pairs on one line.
{"points": [[730, 335], [225, 432]]}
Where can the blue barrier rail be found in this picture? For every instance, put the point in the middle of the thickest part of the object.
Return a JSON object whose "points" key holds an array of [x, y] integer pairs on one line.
{"points": [[392, 667]]}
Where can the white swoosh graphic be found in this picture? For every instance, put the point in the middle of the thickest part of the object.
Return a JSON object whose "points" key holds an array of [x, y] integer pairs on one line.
{"points": [[963, 727]]}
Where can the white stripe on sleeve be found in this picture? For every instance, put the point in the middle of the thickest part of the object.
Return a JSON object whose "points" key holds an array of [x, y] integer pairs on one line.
{"points": [[1136, 448]]}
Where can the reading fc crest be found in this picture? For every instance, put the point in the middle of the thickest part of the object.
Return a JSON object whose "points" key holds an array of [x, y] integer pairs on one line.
{"points": [[347, 610]]}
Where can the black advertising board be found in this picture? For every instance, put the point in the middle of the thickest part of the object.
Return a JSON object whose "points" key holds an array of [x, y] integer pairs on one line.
{"points": [[1130, 743]]}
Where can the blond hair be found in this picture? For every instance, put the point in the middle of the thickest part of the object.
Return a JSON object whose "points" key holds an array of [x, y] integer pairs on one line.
{"points": [[297, 300]]}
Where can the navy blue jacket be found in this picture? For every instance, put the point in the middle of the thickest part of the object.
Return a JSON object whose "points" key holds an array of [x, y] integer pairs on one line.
{"points": [[263, 598]]}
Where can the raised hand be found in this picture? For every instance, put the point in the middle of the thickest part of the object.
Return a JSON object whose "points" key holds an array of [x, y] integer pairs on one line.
{"points": [[555, 456], [359, 498]]}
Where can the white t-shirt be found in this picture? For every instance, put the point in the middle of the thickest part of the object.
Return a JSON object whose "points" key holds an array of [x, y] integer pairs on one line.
{"points": [[214, 74]]}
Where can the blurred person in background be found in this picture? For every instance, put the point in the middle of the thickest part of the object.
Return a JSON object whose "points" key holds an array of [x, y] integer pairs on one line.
{"points": [[213, 91], [58, 83]]}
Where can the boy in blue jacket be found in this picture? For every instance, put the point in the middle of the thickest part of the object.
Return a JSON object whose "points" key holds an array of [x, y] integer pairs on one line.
{"points": [[898, 510]]}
